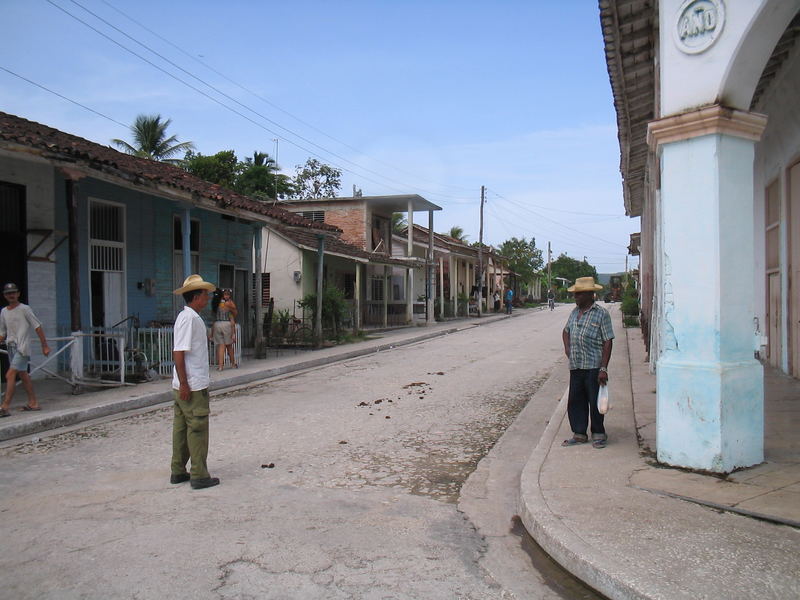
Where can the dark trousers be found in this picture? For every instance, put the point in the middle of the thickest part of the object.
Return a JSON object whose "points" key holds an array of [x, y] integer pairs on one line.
{"points": [[582, 403]]}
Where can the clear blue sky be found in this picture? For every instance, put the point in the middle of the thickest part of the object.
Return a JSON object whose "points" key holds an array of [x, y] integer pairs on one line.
{"points": [[427, 97]]}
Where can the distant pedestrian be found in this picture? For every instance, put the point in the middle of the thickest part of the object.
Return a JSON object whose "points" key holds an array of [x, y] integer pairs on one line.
{"points": [[16, 323], [509, 300], [588, 340], [223, 330], [190, 381], [496, 301]]}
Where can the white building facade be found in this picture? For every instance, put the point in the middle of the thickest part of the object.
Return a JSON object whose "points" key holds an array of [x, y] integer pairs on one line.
{"points": [[706, 93]]}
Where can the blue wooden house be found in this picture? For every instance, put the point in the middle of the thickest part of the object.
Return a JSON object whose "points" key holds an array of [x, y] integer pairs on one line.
{"points": [[98, 239]]}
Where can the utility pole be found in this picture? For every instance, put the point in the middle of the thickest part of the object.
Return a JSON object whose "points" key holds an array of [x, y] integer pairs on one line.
{"points": [[549, 268], [480, 257]]}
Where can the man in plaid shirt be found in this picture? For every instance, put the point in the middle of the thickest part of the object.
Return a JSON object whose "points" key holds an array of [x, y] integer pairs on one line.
{"points": [[588, 339]]}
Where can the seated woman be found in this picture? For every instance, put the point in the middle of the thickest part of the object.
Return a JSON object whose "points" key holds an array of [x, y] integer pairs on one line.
{"points": [[223, 331]]}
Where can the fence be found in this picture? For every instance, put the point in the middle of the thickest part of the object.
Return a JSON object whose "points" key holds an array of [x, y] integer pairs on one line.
{"points": [[124, 354]]}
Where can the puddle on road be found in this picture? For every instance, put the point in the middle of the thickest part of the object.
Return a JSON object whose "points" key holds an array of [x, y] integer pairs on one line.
{"points": [[554, 576]]}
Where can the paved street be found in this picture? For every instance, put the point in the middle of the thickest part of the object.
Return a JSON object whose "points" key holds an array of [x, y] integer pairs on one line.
{"points": [[369, 457]]}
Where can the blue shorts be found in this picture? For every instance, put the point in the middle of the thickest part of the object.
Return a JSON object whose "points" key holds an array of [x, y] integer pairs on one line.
{"points": [[17, 361]]}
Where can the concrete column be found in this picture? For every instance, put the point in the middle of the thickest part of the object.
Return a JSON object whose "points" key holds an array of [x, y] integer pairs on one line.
{"points": [[410, 272], [258, 232], [710, 397], [454, 284], [430, 273], [441, 287], [386, 275], [357, 300]]}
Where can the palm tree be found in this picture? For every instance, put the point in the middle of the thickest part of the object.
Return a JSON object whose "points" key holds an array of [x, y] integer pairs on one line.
{"points": [[457, 233], [399, 223], [150, 140]]}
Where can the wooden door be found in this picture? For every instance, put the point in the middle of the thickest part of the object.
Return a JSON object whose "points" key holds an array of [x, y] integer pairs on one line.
{"points": [[793, 231], [773, 273]]}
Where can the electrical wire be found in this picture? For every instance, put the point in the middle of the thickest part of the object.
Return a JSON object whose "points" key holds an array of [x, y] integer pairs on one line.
{"points": [[266, 101], [46, 89], [234, 100]]}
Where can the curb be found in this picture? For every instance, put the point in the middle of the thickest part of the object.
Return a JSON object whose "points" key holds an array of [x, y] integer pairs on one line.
{"points": [[72, 417], [555, 538]]}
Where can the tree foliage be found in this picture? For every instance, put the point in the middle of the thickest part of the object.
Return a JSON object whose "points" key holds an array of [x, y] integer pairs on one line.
{"points": [[524, 258], [256, 176], [222, 168], [572, 268], [150, 140], [315, 179], [399, 223], [457, 232]]}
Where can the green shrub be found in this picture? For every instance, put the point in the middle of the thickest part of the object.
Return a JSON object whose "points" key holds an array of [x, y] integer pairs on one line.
{"points": [[630, 321], [334, 308], [630, 306]]}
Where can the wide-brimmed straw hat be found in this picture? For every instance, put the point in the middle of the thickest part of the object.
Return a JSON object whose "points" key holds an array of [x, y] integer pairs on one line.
{"points": [[194, 282], [585, 284]]}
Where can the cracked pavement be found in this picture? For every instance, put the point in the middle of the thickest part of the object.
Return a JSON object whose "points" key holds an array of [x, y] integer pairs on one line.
{"points": [[369, 457]]}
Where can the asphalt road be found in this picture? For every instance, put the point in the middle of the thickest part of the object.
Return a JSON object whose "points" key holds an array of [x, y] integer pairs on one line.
{"points": [[369, 457]]}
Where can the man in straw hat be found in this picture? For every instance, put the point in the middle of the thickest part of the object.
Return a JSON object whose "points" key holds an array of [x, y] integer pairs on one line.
{"points": [[190, 381], [588, 339]]}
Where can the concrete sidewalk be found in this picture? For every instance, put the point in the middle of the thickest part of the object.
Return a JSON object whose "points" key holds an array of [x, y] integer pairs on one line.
{"points": [[60, 408], [631, 528]]}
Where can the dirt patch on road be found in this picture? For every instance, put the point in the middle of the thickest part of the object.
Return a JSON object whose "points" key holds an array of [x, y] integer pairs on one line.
{"points": [[436, 462]]}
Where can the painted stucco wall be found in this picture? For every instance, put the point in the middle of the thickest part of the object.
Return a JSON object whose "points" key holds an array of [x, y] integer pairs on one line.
{"points": [[709, 387], [692, 80], [778, 150], [37, 177], [282, 260]]}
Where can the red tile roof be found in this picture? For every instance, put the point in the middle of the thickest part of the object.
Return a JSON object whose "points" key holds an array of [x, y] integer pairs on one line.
{"points": [[55, 144]]}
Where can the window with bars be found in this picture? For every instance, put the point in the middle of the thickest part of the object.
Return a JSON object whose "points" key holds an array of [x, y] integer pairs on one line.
{"points": [[376, 287], [106, 236], [314, 215], [265, 292]]}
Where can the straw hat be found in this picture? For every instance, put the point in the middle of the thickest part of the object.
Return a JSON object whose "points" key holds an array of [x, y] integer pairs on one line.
{"points": [[194, 282], [585, 284]]}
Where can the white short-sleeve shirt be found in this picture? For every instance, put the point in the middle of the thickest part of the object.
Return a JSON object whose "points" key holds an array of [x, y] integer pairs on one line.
{"points": [[190, 336], [16, 326]]}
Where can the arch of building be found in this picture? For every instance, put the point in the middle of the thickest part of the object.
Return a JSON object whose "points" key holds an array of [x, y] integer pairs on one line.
{"points": [[711, 242]]}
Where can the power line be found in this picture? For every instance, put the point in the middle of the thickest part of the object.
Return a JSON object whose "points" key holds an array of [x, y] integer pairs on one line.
{"points": [[46, 89], [572, 212], [583, 233], [266, 101], [220, 92], [230, 98]]}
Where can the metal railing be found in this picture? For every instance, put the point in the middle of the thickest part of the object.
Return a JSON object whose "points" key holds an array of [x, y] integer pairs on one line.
{"points": [[122, 354]]}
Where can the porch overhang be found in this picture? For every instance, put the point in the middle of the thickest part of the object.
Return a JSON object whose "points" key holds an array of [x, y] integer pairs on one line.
{"points": [[629, 35]]}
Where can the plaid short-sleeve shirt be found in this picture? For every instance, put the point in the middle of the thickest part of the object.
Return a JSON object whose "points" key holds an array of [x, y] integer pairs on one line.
{"points": [[586, 336]]}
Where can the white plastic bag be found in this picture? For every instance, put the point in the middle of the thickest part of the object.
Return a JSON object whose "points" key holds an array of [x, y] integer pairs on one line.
{"points": [[603, 401]]}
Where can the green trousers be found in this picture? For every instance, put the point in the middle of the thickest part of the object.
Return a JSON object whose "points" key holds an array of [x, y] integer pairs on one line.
{"points": [[190, 434]]}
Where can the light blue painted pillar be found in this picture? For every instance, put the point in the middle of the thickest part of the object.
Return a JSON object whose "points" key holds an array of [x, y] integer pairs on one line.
{"points": [[710, 397]]}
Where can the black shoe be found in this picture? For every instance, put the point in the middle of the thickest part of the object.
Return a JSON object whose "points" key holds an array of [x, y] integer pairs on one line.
{"points": [[179, 478], [206, 482]]}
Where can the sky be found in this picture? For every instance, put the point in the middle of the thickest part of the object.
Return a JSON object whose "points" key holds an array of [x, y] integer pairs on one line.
{"points": [[435, 98]]}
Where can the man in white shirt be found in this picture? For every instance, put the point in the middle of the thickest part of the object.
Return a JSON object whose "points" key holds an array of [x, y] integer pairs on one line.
{"points": [[190, 381], [16, 323]]}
